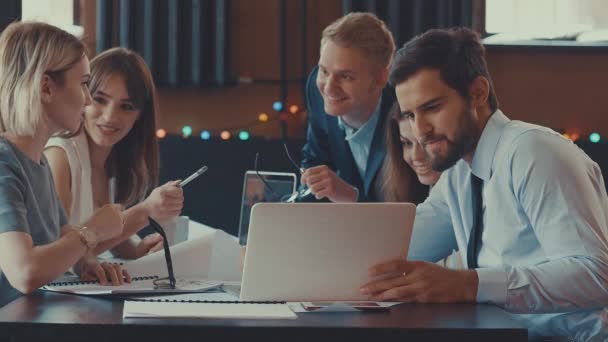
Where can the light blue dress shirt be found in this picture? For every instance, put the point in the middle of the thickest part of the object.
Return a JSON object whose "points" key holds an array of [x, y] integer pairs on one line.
{"points": [[544, 244], [360, 140]]}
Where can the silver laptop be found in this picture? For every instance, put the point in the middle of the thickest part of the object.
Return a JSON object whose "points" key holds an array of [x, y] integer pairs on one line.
{"points": [[263, 186], [321, 251]]}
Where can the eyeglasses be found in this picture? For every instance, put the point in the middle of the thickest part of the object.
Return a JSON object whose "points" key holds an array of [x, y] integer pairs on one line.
{"points": [[304, 190], [168, 282]]}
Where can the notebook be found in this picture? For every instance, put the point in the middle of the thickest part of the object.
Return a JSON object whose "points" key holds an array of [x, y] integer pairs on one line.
{"points": [[211, 259], [171, 308], [305, 252], [139, 285]]}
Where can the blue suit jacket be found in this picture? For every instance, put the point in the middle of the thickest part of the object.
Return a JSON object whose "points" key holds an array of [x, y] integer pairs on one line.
{"points": [[326, 144]]}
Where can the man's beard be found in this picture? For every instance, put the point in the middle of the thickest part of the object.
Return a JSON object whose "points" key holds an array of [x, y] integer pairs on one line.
{"points": [[462, 144]]}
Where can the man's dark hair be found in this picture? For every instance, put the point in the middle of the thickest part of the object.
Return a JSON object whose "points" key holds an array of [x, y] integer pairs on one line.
{"points": [[457, 53]]}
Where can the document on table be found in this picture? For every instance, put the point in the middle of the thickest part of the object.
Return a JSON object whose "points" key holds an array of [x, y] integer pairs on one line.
{"points": [[324, 306], [201, 309]]}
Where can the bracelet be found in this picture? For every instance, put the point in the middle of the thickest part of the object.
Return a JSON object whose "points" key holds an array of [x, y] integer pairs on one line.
{"points": [[88, 237]]}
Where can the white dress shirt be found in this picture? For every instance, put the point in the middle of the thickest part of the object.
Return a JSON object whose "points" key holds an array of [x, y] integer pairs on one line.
{"points": [[544, 244]]}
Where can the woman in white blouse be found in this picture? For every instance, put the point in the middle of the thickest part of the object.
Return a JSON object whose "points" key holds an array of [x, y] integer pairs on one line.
{"points": [[113, 158]]}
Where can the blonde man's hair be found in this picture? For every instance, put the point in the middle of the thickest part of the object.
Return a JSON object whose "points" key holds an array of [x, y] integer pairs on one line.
{"points": [[28, 51], [363, 31]]}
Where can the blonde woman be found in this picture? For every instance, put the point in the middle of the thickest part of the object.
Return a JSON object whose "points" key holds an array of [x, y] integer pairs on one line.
{"points": [[44, 74], [113, 158]]}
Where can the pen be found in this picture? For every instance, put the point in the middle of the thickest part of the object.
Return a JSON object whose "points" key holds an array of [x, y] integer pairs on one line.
{"points": [[193, 176], [112, 190]]}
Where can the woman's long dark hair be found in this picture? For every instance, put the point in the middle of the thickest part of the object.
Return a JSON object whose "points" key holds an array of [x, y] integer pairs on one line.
{"points": [[134, 160], [400, 181]]}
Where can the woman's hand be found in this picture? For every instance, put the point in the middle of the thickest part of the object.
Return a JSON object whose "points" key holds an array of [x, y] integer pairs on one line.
{"points": [[165, 202], [106, 273], [150, 244]]}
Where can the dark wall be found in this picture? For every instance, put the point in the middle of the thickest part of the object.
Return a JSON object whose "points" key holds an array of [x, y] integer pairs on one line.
{"points": [[599, 153], [185, 42], [10, 10]]}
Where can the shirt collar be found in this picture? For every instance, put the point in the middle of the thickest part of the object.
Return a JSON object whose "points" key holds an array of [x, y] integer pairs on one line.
{"points": [[487, 145], [365, 132]]}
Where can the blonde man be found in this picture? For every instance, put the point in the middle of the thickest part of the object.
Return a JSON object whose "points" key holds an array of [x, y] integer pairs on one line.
{"points": [[44, 75], [348, 101]]}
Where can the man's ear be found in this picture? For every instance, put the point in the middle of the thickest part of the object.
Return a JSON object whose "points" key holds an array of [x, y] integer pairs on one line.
{"points": [[479, 91], [46, 88]]}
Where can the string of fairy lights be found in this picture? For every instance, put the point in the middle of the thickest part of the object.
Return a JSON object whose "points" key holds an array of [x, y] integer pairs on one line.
{"points": [[241, 132], [594, 138]]}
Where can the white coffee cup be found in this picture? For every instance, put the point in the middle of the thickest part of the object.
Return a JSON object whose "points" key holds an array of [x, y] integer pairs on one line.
{"points": [[176, 229]]}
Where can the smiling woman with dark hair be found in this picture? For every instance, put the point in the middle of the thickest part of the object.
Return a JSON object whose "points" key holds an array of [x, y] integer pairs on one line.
{"points": [[407, 171], [113, 158]]}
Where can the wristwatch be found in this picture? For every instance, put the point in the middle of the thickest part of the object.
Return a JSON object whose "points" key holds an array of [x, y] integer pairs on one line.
{"points": [[88, 237]]}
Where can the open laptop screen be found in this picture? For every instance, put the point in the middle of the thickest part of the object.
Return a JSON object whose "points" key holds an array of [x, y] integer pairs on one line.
{"points": [[279, 186]]}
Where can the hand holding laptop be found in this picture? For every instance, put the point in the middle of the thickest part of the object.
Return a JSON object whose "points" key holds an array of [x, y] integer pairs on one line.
{"points": [[419, 281]]}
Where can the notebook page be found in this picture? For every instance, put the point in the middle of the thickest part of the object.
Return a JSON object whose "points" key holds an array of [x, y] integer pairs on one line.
{"points": [[90, 288]]}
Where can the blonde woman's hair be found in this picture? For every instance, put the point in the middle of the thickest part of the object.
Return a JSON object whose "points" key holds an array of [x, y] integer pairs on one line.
{"points": [[28, 51], [363, 31]]}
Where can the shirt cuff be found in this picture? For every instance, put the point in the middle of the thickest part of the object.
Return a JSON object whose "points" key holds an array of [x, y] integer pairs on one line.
{"points": [[492, 285], [357, 194]]}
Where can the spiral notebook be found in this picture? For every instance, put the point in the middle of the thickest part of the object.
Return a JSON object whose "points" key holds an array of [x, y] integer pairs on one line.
{"points": [[210, 259], [139, 285], [196, 308]]}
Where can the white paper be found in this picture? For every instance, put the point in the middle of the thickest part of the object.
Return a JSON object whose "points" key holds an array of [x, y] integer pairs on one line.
{"points": [[213, 254], [197, 229], [225, 263], [206, 310], [189, 258]]}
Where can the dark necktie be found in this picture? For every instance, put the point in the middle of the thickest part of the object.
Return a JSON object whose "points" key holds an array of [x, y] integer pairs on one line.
{"points": [[477, 229]]}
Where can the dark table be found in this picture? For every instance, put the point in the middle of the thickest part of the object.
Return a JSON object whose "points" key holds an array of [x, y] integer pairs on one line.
{"points": [[60, 317]]}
